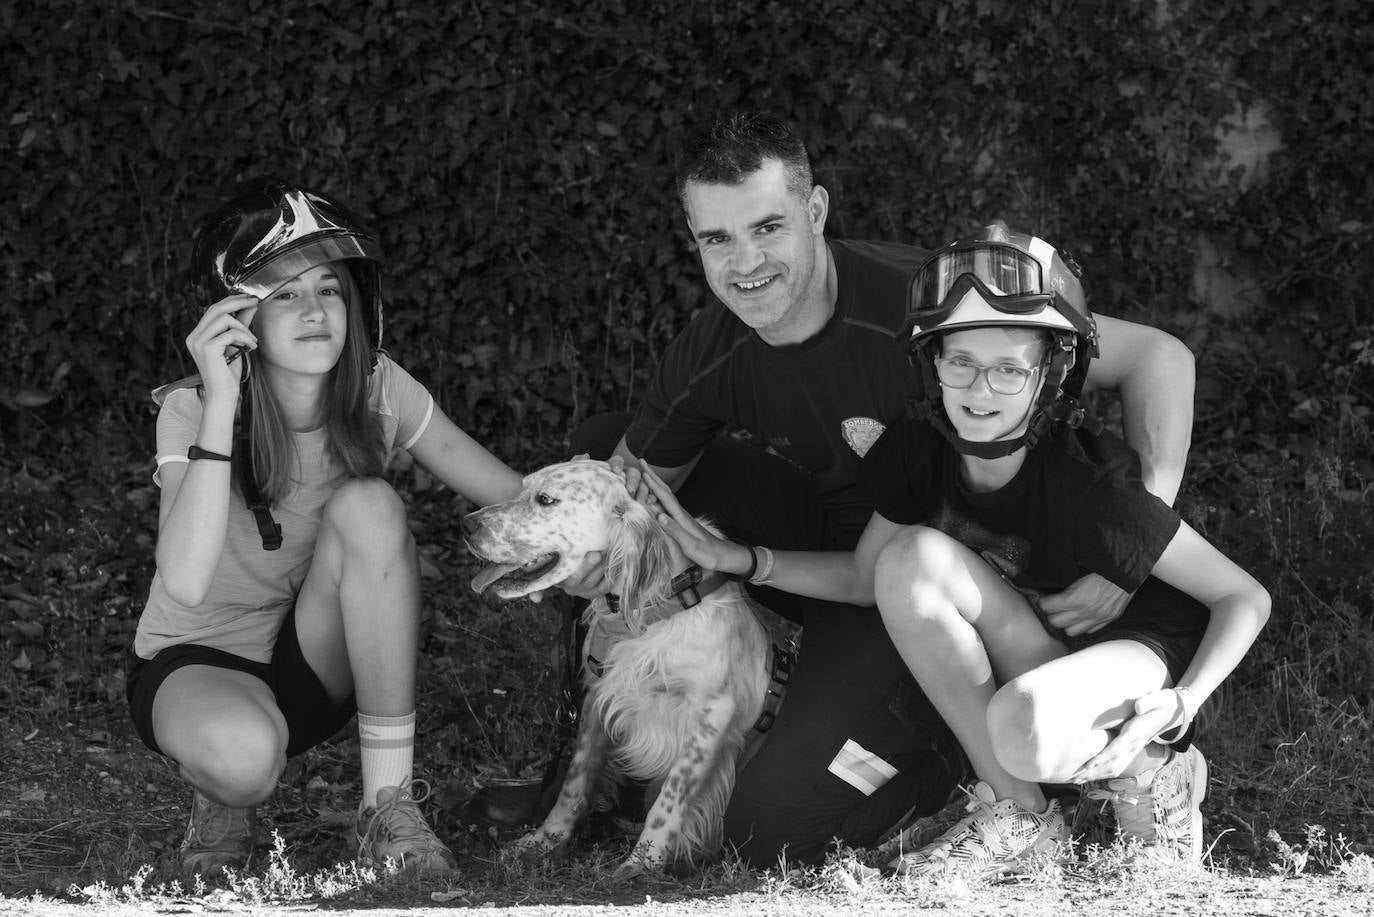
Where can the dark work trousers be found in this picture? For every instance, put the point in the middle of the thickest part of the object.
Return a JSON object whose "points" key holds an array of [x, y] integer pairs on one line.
{"points": [[857, 747]]}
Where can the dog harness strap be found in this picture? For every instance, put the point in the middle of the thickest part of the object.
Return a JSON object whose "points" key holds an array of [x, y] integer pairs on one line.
{"points": [[778, 678], [689, 587], [781, 674]]}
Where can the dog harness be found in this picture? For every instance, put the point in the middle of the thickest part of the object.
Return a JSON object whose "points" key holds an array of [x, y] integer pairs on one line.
{"points": [[688, 588]]}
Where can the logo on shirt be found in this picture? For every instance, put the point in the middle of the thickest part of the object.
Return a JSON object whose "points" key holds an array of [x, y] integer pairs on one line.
{"points": [[861, 433]]}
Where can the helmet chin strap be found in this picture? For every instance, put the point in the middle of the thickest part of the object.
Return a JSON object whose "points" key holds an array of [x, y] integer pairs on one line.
{"points": [[997, 448]]}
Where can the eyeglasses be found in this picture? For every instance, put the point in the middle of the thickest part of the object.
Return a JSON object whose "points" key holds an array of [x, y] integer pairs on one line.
{"points": [[1003, 378]]}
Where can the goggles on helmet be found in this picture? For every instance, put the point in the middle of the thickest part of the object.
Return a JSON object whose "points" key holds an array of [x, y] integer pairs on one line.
{"points": [[1007, 279]]}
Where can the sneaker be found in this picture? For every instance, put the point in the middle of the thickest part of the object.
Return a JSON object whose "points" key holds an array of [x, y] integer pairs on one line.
{"points": [[1161, 807], [991, 840], [218, 837], [394, 829]]}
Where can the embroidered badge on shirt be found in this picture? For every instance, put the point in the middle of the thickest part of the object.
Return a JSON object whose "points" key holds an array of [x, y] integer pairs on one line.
{"points": [[861, 433]]}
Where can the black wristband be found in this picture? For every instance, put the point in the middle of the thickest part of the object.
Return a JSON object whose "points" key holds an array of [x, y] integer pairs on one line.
{"points": [[195, 452], [753, 565]]}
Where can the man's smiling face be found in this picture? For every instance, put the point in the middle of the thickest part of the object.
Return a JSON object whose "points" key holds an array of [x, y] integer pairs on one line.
{"points": [[760, 243]]}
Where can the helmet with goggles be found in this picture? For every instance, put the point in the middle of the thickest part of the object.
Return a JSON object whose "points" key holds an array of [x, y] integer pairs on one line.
{"points": [[272, 231], [1003, 279]]}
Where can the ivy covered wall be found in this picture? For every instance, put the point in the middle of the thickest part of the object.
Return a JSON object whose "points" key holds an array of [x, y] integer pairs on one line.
{"points": [[1210, 163]]}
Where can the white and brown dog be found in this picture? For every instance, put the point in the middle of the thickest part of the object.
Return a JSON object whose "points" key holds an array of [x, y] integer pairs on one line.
{"points": [[679, 669]]}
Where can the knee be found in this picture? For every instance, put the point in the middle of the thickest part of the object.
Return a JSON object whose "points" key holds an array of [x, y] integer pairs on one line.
{"points": [[909, 578], [1028, 734], [238, 763], [367, 510]]}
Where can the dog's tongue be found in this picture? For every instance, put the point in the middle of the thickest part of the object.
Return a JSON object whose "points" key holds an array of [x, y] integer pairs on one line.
{"points": [[490, 574]]}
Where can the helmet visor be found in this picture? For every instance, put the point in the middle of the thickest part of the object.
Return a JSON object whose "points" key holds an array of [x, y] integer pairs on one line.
{"points": [[290, 262]]}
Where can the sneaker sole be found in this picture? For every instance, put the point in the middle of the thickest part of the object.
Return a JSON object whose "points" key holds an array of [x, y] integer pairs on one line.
{"points": [[1199, 780]]}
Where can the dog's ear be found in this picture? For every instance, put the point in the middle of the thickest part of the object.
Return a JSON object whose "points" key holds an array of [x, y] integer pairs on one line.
{"points": [[638, 559]]}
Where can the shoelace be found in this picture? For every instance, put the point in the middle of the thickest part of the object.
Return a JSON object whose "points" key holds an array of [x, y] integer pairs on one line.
{"points": [[211, 822], [404, 807], [1132, 818]]}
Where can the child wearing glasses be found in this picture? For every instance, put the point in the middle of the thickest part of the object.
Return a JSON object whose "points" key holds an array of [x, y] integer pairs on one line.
{"points": [[1000, 489]]}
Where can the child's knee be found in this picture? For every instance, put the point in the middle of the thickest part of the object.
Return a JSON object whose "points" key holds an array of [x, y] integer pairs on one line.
{"points": [[1028, 733], [238, 763], [908, 581], [367, 508]]}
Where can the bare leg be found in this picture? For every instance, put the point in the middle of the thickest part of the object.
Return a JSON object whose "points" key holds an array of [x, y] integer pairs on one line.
{"points": [[224, 730], [960, 628], [358, 613], [1049, 721]]}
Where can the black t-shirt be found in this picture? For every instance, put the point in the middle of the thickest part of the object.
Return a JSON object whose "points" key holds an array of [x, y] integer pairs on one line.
{"points": [[821, 404], [1076, 506]]}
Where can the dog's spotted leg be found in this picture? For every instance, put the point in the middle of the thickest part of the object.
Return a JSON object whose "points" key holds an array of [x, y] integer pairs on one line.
{"points": [[662, 839], [574, 798]]}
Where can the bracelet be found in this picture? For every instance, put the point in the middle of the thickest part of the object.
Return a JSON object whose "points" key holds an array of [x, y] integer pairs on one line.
{"points": [[195, 452], [761, 577], [753, 563], [1188, 699]]}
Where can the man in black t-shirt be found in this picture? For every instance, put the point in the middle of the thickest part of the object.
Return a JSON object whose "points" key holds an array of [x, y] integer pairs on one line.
{"points": [[800, 352]]}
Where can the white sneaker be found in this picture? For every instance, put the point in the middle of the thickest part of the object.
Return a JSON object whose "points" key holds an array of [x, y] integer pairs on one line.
{"points": [[1160, 807], [991, 840]]}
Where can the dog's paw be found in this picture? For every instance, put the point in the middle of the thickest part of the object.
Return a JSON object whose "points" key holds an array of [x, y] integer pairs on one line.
{"points": [[631, 870], [532, 848], [642, 863]]}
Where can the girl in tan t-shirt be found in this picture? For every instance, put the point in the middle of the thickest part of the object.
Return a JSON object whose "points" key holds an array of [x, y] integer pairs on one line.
{"points": [[269, 625]]}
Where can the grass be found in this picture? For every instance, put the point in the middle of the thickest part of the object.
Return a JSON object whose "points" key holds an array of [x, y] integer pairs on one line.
{"points": [[87, 815]]}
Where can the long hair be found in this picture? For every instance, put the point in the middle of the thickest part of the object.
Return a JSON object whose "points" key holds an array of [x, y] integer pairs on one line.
{"points": [[735, 145], [353, 435]]}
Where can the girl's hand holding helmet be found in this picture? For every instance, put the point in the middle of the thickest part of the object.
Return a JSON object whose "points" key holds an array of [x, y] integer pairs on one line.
{"points": [[220, 341]]}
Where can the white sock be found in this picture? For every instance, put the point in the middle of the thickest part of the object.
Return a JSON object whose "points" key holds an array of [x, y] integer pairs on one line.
{"points": [[388, 752]]}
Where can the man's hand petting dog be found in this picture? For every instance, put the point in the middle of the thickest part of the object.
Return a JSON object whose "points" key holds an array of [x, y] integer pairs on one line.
{"points": [[589, 581]]}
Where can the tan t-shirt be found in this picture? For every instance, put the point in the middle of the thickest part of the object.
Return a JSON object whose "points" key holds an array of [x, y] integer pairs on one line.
{"points": [[253, 589]]}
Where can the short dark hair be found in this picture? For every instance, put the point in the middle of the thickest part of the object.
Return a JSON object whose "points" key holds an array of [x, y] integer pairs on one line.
{"points": [[734, 146]]}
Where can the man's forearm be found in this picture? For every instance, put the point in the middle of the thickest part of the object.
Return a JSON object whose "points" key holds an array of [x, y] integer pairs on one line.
{"points": [[1157, 413]]}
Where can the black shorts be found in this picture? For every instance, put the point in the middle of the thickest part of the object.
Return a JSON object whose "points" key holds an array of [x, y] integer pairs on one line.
{"points": [[311, 717]]}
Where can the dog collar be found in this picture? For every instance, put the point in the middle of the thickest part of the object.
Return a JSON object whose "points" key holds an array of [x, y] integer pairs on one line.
{"points": [[689, 587]]}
